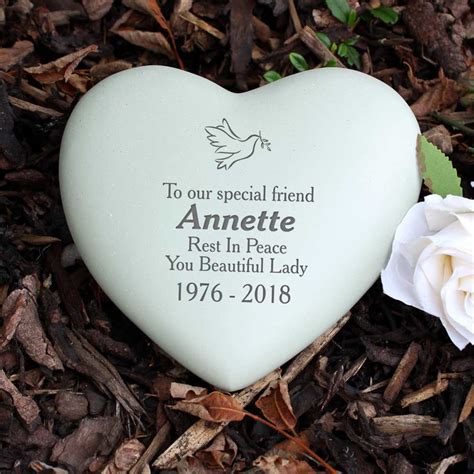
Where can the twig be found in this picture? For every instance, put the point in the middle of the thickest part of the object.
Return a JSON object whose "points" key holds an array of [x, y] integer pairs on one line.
{"points": [[203, 25], [152, 449], [309, 38], [454, 123], [294, 16], [28, 106], [202, 432]]}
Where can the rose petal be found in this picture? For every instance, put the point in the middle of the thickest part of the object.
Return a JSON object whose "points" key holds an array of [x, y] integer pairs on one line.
{"points": [[431, 273], [467, 221], [397, 287], [454, 236], [413, 225], [458, 339], [453, 302], [441, 212]]}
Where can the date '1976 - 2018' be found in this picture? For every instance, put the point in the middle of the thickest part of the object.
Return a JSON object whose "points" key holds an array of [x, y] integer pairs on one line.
{"points": [[249, 294]]}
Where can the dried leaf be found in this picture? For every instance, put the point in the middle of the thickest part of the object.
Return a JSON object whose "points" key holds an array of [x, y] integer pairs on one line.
{"points": [[151, 40], [190, 464], [96, 9], [441, 96], [150, 7], [220, 454], [61, 68], [216, 406], [275, 405], [177, 23], [440, 137], [182, 390], [9, 57], [293, 448]]}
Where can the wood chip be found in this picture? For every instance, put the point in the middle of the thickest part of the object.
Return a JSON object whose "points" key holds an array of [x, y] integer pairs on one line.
{"points": [[402, 372], [445, 464], [21, 308], [71, 406], [424, 393], [26, 407], [125, 457], [468, 405], [93, 437], [76, 353], [408, 424], [9, 57], [28, 106]]}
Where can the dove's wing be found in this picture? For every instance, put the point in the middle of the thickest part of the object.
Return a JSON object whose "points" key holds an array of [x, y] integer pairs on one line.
{"points": [[226, 128], [223, 141]]}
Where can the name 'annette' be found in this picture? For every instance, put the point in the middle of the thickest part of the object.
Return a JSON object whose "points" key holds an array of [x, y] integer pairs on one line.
{"points": [[261, 222]]}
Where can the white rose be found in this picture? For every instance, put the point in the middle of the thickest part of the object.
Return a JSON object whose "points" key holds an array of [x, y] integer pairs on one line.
{"points": [[432, 263]]}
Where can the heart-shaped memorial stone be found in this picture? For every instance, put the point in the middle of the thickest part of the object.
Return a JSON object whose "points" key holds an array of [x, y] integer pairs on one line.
{"points": [[234, 229]]}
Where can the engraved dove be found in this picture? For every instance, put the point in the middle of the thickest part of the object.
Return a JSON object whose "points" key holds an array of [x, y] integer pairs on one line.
{"points": [[233, 148]]}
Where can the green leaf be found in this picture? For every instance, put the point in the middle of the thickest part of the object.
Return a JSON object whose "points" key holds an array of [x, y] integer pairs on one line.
{"points": [[340, 9], [330, 63], [342, 50], [352, 41], [386, 14], [299, 62], [324, 39], [351, 18], [353, 57], [271, 76], [437, 170]]}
